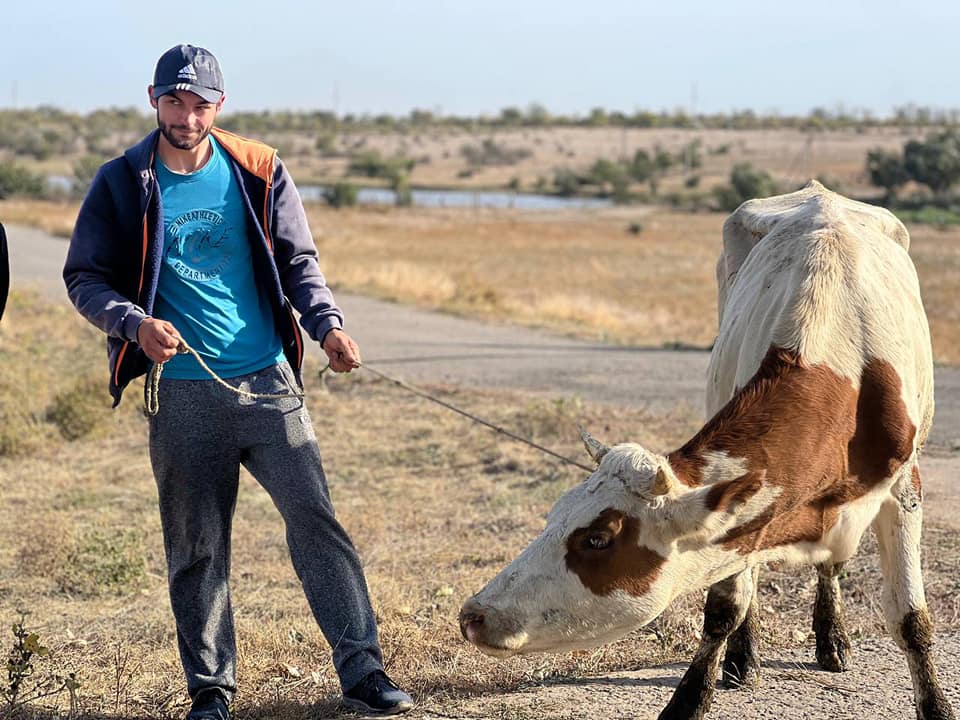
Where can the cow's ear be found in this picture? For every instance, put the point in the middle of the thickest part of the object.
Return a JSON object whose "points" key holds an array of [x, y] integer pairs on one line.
{"points": [[595, 449]]}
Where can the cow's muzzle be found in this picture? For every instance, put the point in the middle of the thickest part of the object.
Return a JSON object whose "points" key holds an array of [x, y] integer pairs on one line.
{"points": [[471, 621]]}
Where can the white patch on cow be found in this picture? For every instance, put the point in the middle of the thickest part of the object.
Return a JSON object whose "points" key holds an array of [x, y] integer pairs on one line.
{"points": [[721, 466]]}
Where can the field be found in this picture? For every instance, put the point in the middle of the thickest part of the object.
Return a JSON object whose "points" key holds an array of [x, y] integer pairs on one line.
{"points": [[436, 506], [791, 156]]}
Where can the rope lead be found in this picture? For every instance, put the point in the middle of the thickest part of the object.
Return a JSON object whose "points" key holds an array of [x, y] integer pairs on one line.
{"points": [[152, 400], [152, 387]]}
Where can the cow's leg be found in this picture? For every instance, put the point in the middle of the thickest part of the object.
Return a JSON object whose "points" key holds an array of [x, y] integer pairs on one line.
{"points": [[741, 664], [727, 604], [829, 622], [898, 532]]}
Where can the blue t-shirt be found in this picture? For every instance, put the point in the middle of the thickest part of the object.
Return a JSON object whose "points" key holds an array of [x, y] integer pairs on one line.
{"points": [[207, 287]]}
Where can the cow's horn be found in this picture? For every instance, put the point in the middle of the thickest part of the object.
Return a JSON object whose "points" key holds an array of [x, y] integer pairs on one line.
{"points": [[595, 449], [662, 482]]}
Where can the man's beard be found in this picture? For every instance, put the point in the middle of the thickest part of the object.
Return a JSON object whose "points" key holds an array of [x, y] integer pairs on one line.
{"points": [[181, 144]]}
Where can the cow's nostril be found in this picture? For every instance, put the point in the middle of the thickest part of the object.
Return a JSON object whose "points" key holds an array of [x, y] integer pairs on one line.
{"points": [[470, 621]]}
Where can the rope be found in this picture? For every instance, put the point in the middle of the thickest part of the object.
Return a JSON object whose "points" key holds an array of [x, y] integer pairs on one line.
{"points": [[152, 400], [496, 428], [152, 387]]}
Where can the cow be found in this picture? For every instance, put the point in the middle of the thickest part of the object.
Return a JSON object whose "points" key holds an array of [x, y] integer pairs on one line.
{"points": [[820, 397]]}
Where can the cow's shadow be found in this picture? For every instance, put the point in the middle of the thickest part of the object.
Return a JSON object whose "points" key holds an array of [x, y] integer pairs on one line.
{"points": [[666, 681]]}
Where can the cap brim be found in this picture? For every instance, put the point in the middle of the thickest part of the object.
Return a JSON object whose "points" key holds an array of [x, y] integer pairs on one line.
{"points": [[207, 94]]}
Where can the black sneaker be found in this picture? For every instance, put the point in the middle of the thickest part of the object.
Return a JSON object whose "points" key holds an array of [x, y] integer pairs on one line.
{"points": [[209, 705], [377, 694]]}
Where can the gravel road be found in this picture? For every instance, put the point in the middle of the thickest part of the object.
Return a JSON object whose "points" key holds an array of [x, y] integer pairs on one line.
{"points": [[428, 347]]}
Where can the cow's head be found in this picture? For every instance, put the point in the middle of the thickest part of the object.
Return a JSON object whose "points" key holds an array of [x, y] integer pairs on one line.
{"points": [[601, 568]]}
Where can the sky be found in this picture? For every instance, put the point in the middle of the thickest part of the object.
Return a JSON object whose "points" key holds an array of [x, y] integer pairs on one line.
{"points": [[466, 57]]}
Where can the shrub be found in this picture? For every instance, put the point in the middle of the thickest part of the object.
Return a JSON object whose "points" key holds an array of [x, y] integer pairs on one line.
{"points": [[29, 675], [341, 194], [80, 410], [403, 196], [20, 432], [17, 180], [371, 164], [326, 145], [92, 562], [84, 170], [489, 153], [566, 182]]}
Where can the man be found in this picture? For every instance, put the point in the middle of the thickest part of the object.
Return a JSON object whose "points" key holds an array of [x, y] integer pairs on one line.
{"points": [[199, 234]]}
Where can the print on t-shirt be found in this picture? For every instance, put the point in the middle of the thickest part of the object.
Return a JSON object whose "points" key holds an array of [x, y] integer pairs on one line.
{"points": [[197, 250]]}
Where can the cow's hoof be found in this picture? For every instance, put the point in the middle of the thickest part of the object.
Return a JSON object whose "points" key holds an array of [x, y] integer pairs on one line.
{"points": [[740, 671], [833, 653]]}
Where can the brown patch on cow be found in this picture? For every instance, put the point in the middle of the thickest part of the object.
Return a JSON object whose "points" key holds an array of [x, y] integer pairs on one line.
{"points": [[915, 481], [805, 430], [916, 630], [727, 494], [687, 468], [623, 565], [884, 437]]}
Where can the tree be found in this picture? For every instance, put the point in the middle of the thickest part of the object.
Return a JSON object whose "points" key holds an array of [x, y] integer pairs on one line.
{"points": [[612, 177], [511, 116], [598, 117], [751, 183], [642, 166], [887, 170], [537, 115], [934, 162], [746, 183], [566, 182]]}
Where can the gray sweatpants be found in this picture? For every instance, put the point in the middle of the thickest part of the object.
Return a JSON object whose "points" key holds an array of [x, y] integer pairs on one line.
{"points": [[198, 440]]}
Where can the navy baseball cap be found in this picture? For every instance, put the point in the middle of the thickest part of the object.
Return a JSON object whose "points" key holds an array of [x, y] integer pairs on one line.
{"points": [[187, 67]]}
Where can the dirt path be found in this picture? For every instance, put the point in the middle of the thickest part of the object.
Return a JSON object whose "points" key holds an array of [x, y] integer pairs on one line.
{"points": [[427, 347], [792, 688]]}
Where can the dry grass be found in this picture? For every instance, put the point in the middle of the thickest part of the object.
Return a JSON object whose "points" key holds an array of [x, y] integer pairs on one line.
{"points": [[576, 273], [435, 505], [56, 218], [579, 273]]}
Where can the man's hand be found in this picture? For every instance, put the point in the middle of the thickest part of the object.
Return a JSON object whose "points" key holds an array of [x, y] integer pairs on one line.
{"points": [[342, 350], [158, 338]]}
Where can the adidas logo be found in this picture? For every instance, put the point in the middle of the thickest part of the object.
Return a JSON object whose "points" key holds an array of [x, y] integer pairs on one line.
{"points": [[187, 72]]}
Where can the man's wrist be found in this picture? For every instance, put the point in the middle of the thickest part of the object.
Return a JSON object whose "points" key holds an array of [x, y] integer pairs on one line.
{"points": [[131, 325], [326, 334]]}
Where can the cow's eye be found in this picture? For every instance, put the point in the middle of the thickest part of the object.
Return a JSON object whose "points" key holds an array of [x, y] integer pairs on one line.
{"points": [[597, 541]]}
